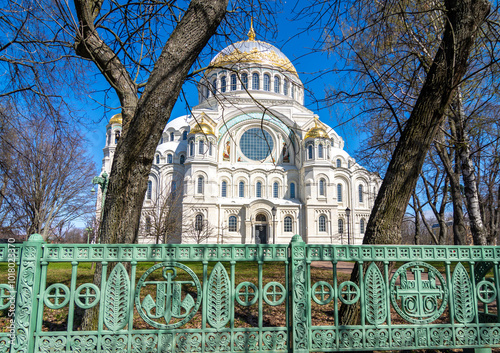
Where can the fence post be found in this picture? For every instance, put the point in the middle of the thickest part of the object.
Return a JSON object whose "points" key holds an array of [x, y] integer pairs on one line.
{"points": [[300, 303], [27, 289]]}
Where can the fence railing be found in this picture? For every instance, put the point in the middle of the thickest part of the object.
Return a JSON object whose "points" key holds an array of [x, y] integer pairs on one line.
{"points": [[247, 298]]}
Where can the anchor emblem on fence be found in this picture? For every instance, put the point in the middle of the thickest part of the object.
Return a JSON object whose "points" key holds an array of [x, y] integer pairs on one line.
{"points": [[169, 302], [419, 300]]}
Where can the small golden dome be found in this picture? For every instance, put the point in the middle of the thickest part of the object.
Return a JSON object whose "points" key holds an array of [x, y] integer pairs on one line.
{"points": [[202, 127], [116, 119], [316, 131]]}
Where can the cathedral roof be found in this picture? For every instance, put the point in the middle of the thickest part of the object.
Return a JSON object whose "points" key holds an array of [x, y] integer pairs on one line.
{"points": [[253, 51]]}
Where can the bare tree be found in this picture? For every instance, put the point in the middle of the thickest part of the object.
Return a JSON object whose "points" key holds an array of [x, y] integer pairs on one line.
{"points": [[414, 91], [163, 215], [45, 177], [199, 230]]}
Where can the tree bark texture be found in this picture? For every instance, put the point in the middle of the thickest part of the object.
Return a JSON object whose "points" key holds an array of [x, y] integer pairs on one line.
{"points": [[463, 18]]}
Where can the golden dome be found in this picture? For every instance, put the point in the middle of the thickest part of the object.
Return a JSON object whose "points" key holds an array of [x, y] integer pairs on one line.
{"points": [[253, 51], [316, 131], [202, 127], [116, 119]]}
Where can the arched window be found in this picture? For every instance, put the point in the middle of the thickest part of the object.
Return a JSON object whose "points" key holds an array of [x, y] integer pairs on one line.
{"points": [[182, 159], [362, 226], [321, 187], [287, 224], [210, 148], [267, 82], [161, 140], [258, 189], [310, 152], [260, 218], [277, 84], [185, 135], [339, 192], [157, 159], [292, 90], [349, 164], [292, 190], [173, 190], [223, 84], [198, 223], [339, 163], [241, 189], [148, 224], [341, 226], [214, 86], [244, 81], [191, 149], [201, 147], [223, 189], [255, 81], [322, 223], [200, 185], [320, 151], [172, 136], [170, 159], [360, 192], [285, 87], [233, 82], [149, 192], [275, 189], [232, 224]]}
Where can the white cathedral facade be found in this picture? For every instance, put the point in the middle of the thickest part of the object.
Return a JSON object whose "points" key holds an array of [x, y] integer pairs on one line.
{"points": [[251, 164]]}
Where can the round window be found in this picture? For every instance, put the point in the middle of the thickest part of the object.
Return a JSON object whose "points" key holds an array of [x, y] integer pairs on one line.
{"points": [[256, 144]]}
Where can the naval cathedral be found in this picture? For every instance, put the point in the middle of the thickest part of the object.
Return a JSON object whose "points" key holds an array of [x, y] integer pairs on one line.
{"points": [[251, 164]]}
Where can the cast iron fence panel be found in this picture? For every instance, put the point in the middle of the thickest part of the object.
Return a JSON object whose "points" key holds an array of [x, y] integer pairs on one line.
{"points": [[435, 297]]}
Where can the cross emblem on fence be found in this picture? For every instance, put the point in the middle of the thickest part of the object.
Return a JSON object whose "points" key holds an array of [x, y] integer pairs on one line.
{"points": [[422, 300]]}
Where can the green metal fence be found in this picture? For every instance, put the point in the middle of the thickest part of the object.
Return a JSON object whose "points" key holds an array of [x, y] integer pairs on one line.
{"points": [[435, 297]]}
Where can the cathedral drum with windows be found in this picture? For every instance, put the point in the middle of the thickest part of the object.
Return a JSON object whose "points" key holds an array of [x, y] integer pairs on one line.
{"points": [[251, 164]]}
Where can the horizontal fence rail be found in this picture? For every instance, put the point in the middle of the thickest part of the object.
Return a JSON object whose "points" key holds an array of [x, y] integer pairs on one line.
{"points": [[247, 298]]}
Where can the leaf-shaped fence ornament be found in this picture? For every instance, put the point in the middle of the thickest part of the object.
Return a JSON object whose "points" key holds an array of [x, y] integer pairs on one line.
{"points": [[463, 299], [218, 298], [116, 299], [375, 296]]}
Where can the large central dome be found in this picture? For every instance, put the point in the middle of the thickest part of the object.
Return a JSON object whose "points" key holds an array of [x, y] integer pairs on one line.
{"points": [[253, 51]]}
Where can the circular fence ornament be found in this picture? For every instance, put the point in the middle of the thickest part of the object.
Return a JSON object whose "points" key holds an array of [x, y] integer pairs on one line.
{"points": [[169, 302], [322, 292], [276, 291], [250, 293], [486, 292], [349, 292], [90, 296], [421, 296], [56, 296]]}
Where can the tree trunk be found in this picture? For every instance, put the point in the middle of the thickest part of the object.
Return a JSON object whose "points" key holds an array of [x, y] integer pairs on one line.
{"points": [[144, 118], [449, 66], [459, 229], [135, 151], [469, 178]]}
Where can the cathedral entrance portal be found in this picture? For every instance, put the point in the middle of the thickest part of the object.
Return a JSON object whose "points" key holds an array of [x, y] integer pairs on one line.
{"points": [[261, 229], [261, 234]]}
